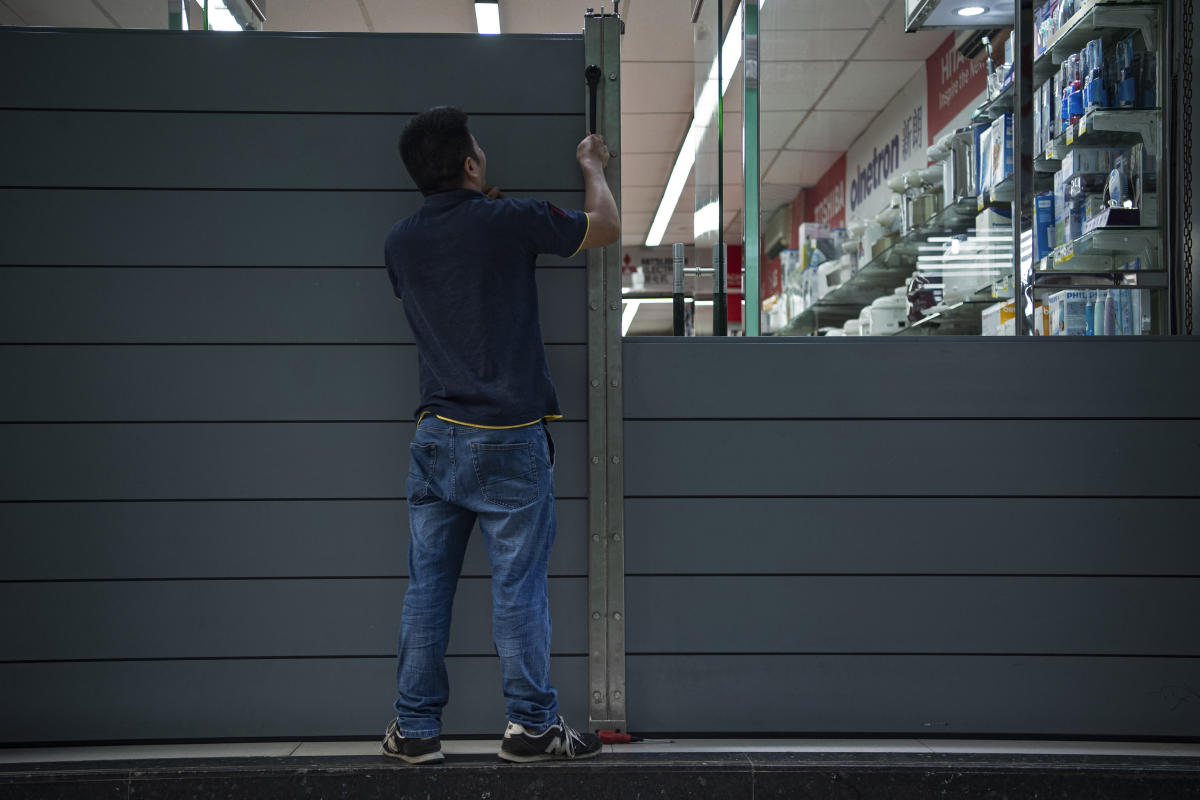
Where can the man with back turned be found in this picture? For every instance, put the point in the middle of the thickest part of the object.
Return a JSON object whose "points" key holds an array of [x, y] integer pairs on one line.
{"points": [[463, 265]]}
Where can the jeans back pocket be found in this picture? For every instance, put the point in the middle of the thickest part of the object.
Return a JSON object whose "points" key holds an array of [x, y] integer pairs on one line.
{"points": [[422, 466], [507, 473]]}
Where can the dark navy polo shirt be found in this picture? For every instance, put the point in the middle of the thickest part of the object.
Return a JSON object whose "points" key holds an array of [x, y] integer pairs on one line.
{"points": [[464, 267]]}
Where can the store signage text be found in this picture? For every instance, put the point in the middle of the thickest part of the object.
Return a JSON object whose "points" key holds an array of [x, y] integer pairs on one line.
{"points": [[869, 177]]}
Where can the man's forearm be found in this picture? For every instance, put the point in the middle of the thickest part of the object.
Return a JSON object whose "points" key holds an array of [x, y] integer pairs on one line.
{"points": [[598, 201]]}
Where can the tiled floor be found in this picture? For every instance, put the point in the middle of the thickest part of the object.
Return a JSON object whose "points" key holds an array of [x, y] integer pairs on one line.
{"points": [[486, 746]]}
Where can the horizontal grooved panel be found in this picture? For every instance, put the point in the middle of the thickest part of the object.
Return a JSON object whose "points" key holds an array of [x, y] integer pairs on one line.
{"points": [[280, 71], [946, 377], [915, 695], [898, 614], [130, 227], [222, 619], [212, 460], [912, 457], [266, 151], [237, 305], [260, 699], [85, 384], [913, 535], [236, 539]]}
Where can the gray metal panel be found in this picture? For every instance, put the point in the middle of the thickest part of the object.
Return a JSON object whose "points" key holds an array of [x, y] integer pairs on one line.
{"points": [[265, 151], [261, 699], [237, 539], [912, 458], [313, 618], [922, 377], [914, 695], [905, 614], [1059, 536], [278, 71], [264, 383], [132, 227], [190, 306], [228, 461]]}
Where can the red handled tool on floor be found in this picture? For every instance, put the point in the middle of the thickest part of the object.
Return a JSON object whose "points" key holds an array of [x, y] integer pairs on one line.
{"points": [[612, 737]]}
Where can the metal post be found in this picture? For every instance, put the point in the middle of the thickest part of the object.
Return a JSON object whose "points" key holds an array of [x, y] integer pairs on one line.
{"points": [[1022, 162], [606, 487], [677, 297], [750, 142]]}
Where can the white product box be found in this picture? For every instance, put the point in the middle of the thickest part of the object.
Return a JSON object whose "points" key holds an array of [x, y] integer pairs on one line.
{"points": [[1067, 312]]}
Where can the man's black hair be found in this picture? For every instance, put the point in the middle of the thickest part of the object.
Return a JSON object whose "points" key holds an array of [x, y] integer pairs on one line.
{"points": [[433, 146]]}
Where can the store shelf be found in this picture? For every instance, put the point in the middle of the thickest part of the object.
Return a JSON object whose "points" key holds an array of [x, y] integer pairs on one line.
{"points": [[881, 275], [995, 107], [1053, 280], [999, 195], [1110, 127], [1109, 20], [1107, 250]]}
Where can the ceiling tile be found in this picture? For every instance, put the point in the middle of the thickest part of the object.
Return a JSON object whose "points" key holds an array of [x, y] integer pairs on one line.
{"points": [[444, 16], [645, 169], [563, 16], [9, 17], [889, 41], [137, 13], [830, 130], [72, 14], [810, 45], [642, 198], [820, 14], [653, 133], [657, 30], [776, 127], [773, 195], [649, 86], [868, 85], [801, 168], [794, 85], [315, 15]]}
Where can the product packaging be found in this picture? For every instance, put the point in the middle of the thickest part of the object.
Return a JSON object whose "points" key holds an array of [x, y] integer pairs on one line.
{"points": [[1126, 89], [1043, 225], [999, 319], [1067, 312], [1000, 147], [1095, 94]]}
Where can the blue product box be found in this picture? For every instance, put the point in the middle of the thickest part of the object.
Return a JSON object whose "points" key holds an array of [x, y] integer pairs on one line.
{"points": [[1001, 148], [1043, 225]]}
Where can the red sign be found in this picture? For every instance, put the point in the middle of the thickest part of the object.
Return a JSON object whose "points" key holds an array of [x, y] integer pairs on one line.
{"points": [[953, 82], [826, 201]]}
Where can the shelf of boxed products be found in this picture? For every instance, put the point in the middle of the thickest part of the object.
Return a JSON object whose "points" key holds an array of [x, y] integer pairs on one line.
{"points": [[1001, 195], [881, 275], [1109, 127], [1052, 279], [1118, 250], [1108, 20]]}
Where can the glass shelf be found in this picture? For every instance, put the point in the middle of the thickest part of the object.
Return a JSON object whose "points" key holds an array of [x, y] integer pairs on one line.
{"points": [[1108, 250], [881, 275], [1107, 127]]}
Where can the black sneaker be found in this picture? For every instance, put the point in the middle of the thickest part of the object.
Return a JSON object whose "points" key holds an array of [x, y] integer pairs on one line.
{"points": [[560, 740], [414, 751]]}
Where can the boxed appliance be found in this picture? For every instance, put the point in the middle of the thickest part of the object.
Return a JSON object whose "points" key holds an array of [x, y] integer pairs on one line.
{"points": [[1000, 319], [1043, 225], [1067, 312], [1000, 149]]}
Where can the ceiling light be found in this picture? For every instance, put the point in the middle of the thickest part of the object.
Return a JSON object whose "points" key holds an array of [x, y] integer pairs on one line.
{"points": [[971, 11], [487, 17]]}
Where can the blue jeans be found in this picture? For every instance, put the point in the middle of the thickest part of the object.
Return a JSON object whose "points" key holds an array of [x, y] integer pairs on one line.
{"points": [[505, 480]]}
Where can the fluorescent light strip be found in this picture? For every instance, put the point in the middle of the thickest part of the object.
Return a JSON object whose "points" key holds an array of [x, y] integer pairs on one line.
{"points": [[706, 104], [487, 18]]}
